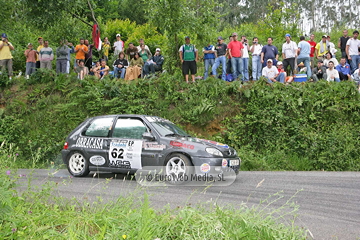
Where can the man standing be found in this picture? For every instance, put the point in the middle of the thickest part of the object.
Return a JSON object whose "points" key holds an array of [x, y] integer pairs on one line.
{"points": [[319, 72], [5, 55], [209, 59], [272, 74], [312, 49], [332, 73], [342, 43], [352, 51], [80, 50], [304, 55], [71, 49], [46, 56], [256, 61], [41, 45], [228, 63], [130, 52], [321, 48], [155, 64], [88, 55], [118, 45], [235, 53], [61, 57], [269, 52], [188, 56], [245, 59], [344, 70], [220, 58], [289, 53]]}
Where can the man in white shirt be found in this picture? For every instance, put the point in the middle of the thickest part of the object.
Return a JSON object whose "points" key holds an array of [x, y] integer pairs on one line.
{"points": [[289, 53], [118, 45], [352, 51], [332, 73], [256, 60], [272, 74], [245, 59], [141, 41]]}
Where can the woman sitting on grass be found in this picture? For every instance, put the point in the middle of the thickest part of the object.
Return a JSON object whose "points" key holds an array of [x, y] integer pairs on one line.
{"points": [[134, 71]]}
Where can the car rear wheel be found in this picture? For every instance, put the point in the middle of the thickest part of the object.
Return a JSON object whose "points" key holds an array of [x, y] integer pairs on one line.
{"points": [[178, 168], [78, 166]]}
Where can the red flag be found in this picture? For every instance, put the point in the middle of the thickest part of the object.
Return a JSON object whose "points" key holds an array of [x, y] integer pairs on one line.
{"points": [[96, 36]]}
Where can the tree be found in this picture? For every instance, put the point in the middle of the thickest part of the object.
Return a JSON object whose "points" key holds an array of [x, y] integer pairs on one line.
{"points": [[176, 18]]}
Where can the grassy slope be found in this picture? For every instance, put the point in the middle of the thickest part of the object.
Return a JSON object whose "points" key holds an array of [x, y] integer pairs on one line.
{"points": [[310, 126]]}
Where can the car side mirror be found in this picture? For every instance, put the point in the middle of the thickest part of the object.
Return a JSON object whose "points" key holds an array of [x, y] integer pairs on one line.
{"points": [[148, 136]]}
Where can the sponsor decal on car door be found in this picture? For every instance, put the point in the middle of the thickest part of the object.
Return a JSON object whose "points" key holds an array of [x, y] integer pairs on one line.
{"points": [[125, 153]]}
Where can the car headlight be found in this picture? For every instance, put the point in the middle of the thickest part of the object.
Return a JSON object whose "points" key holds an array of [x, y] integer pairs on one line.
{"points": [[214, 151]]}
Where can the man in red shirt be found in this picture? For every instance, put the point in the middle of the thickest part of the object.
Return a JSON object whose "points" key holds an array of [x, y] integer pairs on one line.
{"points": [[312, 49], [235, 53]]}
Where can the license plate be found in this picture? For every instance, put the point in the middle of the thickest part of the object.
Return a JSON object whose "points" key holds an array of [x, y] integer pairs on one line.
{"points": [[234, 162]]}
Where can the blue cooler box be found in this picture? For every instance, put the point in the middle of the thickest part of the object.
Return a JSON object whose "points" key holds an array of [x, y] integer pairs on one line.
{"points": [[300, 78]]}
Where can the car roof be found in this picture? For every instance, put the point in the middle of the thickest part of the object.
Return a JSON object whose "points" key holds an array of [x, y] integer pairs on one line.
{"points": [[148, 117]]}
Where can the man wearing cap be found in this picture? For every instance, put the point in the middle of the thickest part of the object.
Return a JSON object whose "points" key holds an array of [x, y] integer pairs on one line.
{"points": [[272, 73], [269, 51], [321, 48], [41, 45], [155, 64], [188, 56], [289, 53], [304, 55], [30, 55], [5, 55], [352, 51], [118, 45], [220, 49], [319, 72], [209, 59], [235, 53], [256, 61]]}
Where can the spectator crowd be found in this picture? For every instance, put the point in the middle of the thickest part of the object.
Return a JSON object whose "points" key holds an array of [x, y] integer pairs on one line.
{"points": [[316, 60]]}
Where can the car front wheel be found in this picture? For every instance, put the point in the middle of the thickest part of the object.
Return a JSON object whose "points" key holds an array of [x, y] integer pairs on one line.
{"points": [[178, 168], [78, 165]]}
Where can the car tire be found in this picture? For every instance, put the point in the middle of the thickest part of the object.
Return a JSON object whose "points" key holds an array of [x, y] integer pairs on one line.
{"points": [[77, 165], [178, 168]]}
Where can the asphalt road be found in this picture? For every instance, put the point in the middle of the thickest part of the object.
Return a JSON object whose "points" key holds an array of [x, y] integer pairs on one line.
{"points": [[329, 202]]}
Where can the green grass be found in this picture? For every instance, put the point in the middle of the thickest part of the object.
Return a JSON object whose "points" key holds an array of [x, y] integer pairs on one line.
{"points": [[39, 213]]}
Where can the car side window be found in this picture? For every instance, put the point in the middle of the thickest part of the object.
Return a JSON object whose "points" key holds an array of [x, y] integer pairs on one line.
{"points": [[99, 127], [129, 128]]}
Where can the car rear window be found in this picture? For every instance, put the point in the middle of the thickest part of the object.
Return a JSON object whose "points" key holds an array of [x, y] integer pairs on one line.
{"points": [[99, 127]]}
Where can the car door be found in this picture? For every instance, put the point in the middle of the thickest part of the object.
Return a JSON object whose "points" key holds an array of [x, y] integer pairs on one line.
{"points": [[94, 140], [126, 145]]}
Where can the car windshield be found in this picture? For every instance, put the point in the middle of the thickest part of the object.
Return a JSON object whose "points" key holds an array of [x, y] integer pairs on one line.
{"points": [[169, 129]]}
